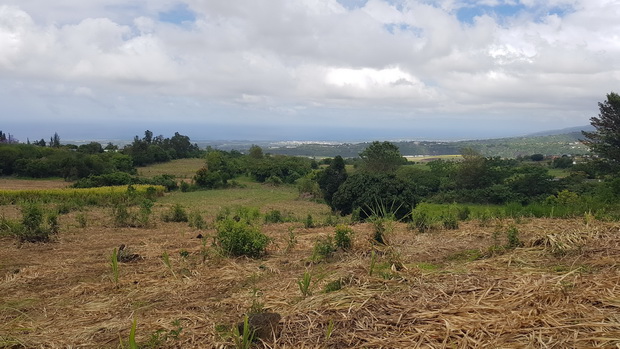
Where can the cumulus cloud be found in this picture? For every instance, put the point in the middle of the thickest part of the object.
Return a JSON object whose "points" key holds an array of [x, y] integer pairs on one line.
{"points": [[517, 58]]}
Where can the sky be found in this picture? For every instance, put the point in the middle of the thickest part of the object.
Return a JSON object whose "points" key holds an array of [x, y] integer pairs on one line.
{"points": [[304, 69]]}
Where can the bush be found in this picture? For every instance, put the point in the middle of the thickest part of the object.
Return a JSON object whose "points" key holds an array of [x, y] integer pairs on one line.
{"points": [[343, 237], [196, 220], [309, 222], [176, 213], [237, 238], [323, 249], [273, 216], [32, 228]]}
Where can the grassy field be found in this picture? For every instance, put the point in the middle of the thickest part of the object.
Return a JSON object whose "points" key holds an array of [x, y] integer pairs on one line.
{"points": [[501, 283], [418, 159], [182, 168]]}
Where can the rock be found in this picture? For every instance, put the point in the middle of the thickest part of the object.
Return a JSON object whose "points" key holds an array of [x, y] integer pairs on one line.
{"points": [[266, 325]]}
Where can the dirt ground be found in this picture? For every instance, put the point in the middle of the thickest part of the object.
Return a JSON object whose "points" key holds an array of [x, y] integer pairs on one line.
{"points": [[21, 184], [441, 289]]}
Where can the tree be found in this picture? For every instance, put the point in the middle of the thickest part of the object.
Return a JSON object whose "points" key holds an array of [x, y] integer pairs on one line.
{"points": [[382, 157], [605, 140], [375, 193], [331, 178], [55, 141]]}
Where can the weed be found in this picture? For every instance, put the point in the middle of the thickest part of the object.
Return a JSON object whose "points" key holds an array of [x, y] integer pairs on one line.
{"points": [[32, 228], [196, 220], [333, 286], [421, 220], [588, 218], [238, 238], [273, 216], [329, 330], [166, 260], [81, 219], [373, 263], [383, 226], [131, 342], [243, 340], [309, 222], [450, 221], [121, 215], [257, 306], [323, 249], [176, 213], [184, 253], [292, 239], [304, 284], [114, 266], [513, 238], [343, 236]]}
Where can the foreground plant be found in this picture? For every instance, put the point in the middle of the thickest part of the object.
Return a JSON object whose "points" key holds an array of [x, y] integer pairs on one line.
{"points": [[304, 284], [114, 266], [243, 339]]}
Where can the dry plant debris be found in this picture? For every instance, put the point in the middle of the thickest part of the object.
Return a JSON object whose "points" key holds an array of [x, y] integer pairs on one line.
{"points": [[562, 290]]}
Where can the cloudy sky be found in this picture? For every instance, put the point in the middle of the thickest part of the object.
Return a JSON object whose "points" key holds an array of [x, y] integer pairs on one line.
{"points": [[304, 69]]}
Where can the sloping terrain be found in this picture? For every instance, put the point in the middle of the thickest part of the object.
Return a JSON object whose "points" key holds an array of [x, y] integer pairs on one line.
{"points": [[443, 289]]}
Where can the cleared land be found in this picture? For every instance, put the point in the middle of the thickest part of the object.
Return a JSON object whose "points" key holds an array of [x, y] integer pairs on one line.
{"points": [[445, 288]]}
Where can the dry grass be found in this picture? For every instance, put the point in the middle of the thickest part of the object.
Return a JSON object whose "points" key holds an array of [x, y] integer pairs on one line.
{"points": [[26, 184], [61, 294]]}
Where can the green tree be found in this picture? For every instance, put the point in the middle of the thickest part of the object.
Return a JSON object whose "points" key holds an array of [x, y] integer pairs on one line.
{"points": [[605, 140], [374, 193], [382, 157], [331, 178]]}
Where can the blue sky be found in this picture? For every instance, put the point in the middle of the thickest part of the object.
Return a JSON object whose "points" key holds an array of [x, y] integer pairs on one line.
{"points": [[304, 70]]}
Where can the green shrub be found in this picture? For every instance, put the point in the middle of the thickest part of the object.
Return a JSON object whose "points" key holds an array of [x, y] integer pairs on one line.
{"points": [[323, 249], [273, 216], [343, 236], [333, 286], [449, 221], [421, 220], [176, 213], [238, 238], [196, 220], [309, 222], [32, 227], [241, 213]]}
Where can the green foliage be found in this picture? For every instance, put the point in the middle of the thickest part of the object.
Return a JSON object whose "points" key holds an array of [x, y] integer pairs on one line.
{"points": [[274, 216], [382, 157], [36, 225], [513, 238], [238, 238], [176, 213], [196, 220], [342, 237], [208, 179], [248, 215], [333, 286], [304, 284], [114, 266], [368, 190], [605, 140], [323, 249], [309, 222], [331, 178], [245, 339]]}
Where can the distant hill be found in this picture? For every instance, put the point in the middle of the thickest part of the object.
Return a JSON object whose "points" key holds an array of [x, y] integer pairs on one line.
{"points": [[552, 143], [569, 130]]}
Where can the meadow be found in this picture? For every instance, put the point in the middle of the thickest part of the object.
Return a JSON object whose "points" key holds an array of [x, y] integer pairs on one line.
{"points": [[488, 280]]}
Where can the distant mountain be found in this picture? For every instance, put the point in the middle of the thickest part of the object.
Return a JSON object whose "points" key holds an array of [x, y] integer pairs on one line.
{"points": [[576, 129]]}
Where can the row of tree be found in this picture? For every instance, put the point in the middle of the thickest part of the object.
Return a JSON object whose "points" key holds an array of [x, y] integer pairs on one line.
{"points": [[53, 159]]}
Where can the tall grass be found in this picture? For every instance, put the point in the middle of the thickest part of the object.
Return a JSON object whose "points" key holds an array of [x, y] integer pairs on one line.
{"points": [[83, 196]]}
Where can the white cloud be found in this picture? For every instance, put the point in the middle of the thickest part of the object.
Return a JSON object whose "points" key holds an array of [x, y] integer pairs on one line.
{"points": [[411, 57]]}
